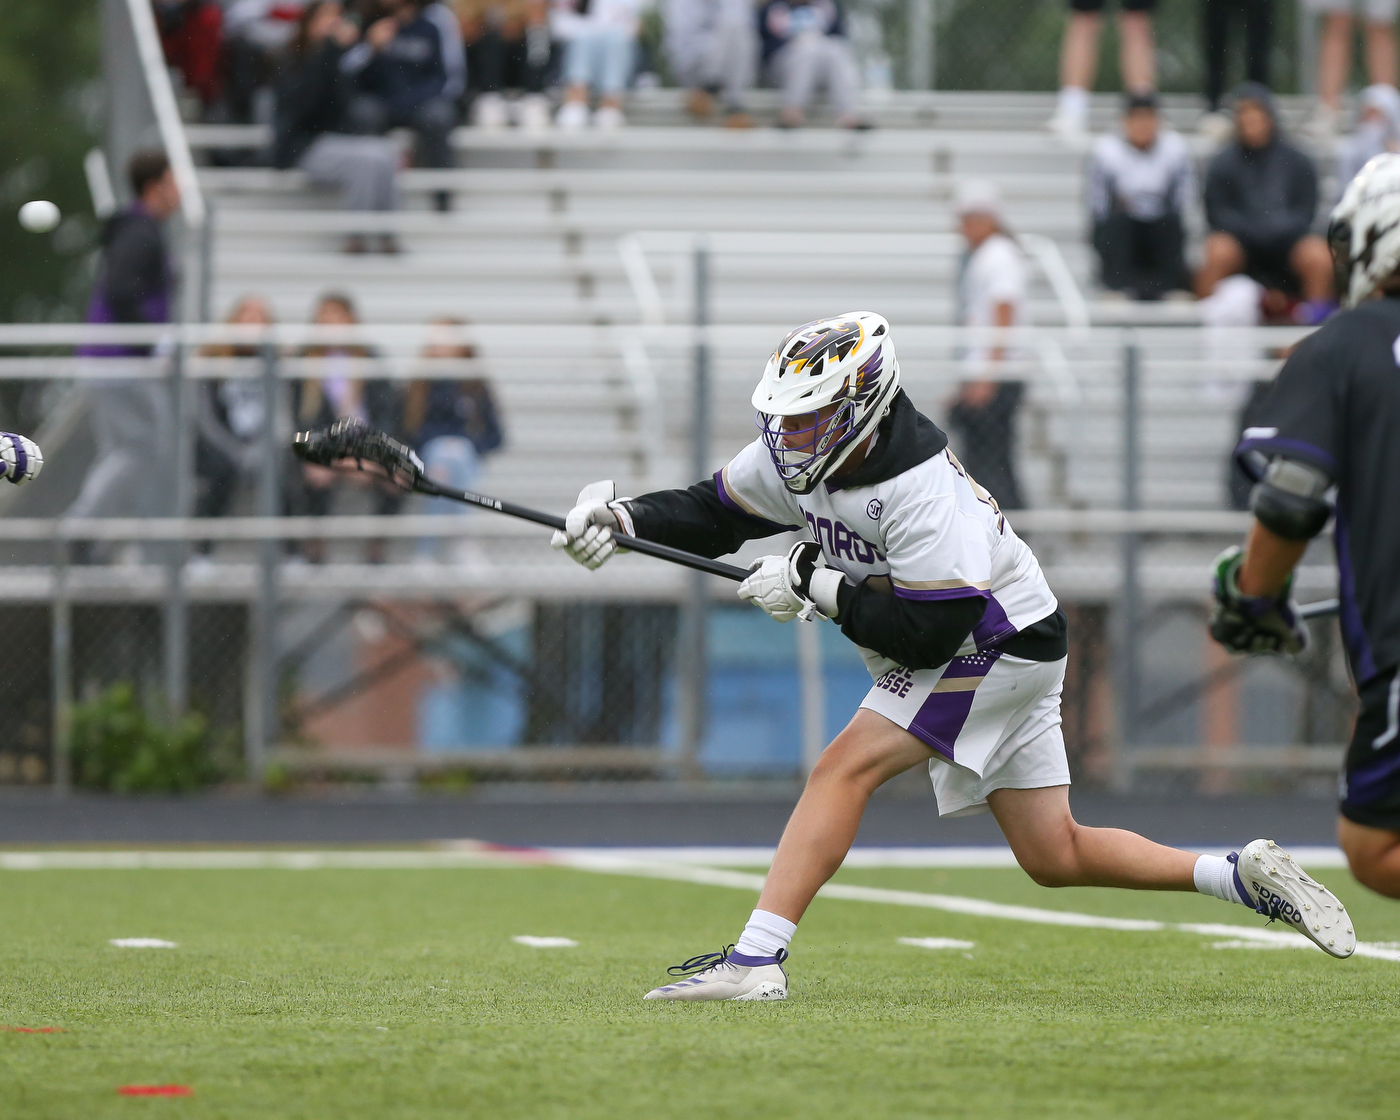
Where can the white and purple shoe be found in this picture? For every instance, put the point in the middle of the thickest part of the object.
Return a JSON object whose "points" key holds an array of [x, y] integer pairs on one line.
{"points": [[727, 975], [1270, 880]]}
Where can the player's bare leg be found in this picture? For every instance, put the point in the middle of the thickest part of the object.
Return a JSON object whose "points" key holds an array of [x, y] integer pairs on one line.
{"points": [[869, 752], [1056, 851], [1223, 257], [1374, 856]]}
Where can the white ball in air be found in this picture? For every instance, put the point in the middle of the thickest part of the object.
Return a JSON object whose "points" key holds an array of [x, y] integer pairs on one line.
{"points": [[39, 216]]}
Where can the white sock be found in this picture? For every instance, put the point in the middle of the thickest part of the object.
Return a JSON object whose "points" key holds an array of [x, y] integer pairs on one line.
{"points": [[1215, 876], [1073, 103], [765, 934]]}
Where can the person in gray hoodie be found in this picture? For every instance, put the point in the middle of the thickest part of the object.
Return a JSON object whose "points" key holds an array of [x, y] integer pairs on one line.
{"points": [[1261, 202], [1377, 131]]}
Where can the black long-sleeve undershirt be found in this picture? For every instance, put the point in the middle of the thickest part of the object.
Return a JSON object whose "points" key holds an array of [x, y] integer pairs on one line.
{"points": [[919, 634], [697, 520]]}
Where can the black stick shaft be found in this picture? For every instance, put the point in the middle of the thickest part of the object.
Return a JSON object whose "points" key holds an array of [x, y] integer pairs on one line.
{"points": [[647, 548]]}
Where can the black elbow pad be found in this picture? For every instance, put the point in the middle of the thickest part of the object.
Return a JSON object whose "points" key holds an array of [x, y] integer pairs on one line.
{"points": [[1290, 501]]}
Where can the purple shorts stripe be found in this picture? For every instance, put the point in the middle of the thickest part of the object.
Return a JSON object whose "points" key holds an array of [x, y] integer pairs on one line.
{"points": [[940, 593], [940, 719]]}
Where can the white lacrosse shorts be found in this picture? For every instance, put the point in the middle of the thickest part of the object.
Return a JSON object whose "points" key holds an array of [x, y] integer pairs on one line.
{"points": [[992, 721]]}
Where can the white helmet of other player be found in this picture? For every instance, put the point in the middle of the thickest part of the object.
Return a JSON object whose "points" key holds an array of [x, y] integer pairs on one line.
{"points": [[1364, 233], [824, 390]]}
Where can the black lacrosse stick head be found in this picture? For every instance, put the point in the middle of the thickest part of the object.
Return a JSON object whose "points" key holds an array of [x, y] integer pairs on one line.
{"points": [[350, 444]]}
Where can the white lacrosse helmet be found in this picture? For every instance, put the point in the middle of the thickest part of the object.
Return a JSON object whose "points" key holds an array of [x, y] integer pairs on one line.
{"points": [[847, 361], [1364, 233]]}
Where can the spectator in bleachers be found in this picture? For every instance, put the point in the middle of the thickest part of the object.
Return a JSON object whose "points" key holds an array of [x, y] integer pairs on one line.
{"points": [[1261, 201], [310, 131], [1140, 184], [131, 421], [256, 34], [600, 54], [1377, 131], [191, 33], [804, 47], [1216, 17], [340, 389], [453, 424], [713, 46], [1079, 59], [1334, 54], [410, 70], [509, 47], [230, 421], [991, 293]]}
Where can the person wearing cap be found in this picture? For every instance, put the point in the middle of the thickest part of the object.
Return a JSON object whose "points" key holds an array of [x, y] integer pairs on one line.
{"points": [[1377, 131], [991, 293], [1140, 183], [1261, 201]]}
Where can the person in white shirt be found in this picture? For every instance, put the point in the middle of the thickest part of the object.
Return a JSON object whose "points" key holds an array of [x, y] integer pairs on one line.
{"points": [[712, 46], [964, 640], [991, 293], [600, 53], [1140, 184]]}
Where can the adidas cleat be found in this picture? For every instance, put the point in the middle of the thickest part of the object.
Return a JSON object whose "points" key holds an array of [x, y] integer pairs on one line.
{"points": [[727, 975], [1273, 883]]}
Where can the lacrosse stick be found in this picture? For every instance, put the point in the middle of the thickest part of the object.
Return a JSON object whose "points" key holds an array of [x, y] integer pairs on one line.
{"points": [[349, 441]]}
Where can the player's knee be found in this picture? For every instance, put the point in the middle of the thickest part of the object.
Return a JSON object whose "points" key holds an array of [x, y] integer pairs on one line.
{"points": [[1053, 862], [1375, 868]]}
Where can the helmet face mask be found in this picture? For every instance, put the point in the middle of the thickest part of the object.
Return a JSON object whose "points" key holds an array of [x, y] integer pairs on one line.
{"points": [[823, 392]]}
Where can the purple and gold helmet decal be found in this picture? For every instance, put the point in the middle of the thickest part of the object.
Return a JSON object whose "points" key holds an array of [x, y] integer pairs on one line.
{"points": [[812, 345]]}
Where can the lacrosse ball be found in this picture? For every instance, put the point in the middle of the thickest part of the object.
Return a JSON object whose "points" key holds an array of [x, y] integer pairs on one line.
{"points": [[39, 216]]}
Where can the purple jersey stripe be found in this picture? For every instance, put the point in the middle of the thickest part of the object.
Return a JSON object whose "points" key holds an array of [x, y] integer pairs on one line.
{"points": [[940, 593], [737, 508], [995, 626], [1281, 445]]}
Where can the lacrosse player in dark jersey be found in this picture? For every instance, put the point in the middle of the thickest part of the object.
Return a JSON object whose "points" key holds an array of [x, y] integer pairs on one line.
{"points": [[1327, 443]]}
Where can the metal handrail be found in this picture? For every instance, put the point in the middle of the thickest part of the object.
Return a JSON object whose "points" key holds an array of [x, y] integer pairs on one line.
{"points": [[172, 129]]}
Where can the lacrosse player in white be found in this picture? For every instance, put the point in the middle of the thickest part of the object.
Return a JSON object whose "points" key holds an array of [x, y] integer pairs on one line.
{"points": [[962, 635]]}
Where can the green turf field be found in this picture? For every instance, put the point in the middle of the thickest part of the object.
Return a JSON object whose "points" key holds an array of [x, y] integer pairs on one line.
{"points": [[376, 994]]}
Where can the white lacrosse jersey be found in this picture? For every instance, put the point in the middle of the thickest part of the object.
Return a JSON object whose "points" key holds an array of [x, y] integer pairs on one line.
{"points": [[931, 531]]}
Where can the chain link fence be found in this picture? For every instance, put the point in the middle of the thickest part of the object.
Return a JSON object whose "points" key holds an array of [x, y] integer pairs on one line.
{"points": [[496, 657]]}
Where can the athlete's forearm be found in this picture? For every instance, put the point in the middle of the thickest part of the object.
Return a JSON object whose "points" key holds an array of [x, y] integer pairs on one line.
{"points": [[697, 520], [917, 633], [1268, 560]]}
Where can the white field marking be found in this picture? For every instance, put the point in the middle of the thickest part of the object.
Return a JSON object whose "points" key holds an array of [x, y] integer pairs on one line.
{"points": [[936, 942], [1254, 945], [616, 861], [470, 853], [975, 907], [142, 943], [545, 942]]}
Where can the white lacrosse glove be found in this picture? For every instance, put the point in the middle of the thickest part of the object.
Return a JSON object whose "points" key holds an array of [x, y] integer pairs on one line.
{"points": [[792, 586], [588, 530], [20, 458]]}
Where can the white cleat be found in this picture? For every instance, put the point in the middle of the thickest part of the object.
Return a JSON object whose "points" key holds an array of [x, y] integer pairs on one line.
{"points": [[1277, 887], [720, 976]]}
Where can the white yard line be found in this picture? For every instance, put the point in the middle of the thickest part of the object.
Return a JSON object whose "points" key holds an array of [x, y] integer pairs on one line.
{"points": [[685, 865]]}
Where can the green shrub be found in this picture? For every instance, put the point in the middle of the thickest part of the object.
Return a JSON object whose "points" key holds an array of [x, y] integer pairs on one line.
{"points": [[116, 746]]}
